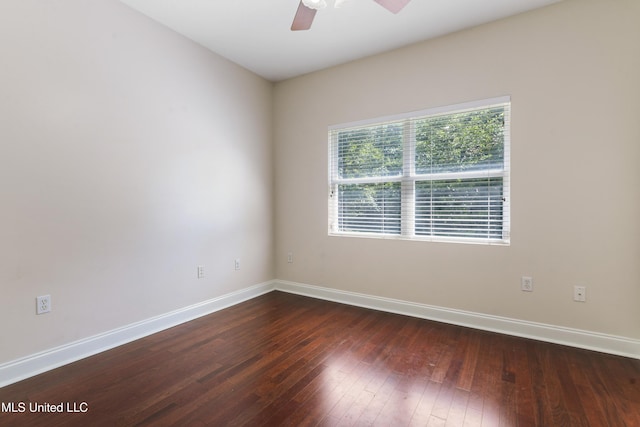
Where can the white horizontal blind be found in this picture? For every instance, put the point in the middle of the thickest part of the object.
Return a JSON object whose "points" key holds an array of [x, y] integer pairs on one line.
{"points": [[433, 175]]}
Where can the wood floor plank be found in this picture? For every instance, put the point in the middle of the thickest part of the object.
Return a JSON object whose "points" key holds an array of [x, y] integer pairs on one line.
{"points": [[287, 360], [525, 398], [424, 409]]}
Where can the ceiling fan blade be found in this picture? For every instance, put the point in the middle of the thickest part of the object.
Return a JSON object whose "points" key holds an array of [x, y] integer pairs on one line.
{"points": [[393, 6], [304, 18]]}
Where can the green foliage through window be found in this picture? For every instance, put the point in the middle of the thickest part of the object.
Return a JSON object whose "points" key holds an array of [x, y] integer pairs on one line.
{"points": [[374, 151], [459, 142]]}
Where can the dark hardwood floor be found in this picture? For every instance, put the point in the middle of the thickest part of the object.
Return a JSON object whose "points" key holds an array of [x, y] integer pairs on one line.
{"points": [[282, 359]]}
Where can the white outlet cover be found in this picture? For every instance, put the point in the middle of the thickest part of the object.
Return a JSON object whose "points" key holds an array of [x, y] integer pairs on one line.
{"points": [[580, 293], [43, 304]]}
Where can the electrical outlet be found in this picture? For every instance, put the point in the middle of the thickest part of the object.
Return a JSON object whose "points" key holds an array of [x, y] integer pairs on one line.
{"points": [[237, 264], [580, 293], [200, 271], [526, 284], [290, 257], [43, 304]]}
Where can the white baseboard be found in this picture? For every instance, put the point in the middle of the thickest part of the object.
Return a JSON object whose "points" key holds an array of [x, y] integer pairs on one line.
{"points": [[31, 365], [539, 331]]}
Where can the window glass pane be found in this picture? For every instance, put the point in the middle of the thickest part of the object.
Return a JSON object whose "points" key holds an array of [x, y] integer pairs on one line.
{"points": [[369, 208], [469, 208], [460, 142], [370, 152]]}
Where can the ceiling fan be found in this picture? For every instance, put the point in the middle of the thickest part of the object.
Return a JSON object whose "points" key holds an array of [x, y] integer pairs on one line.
{"points": [[307, 10]]}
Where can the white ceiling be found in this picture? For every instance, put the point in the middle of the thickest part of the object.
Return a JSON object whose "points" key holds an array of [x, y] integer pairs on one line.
{"points": [[256, 33]]}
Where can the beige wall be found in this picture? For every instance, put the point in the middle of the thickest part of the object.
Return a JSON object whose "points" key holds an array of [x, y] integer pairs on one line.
{"points": [[128, 156], [572, 71]]}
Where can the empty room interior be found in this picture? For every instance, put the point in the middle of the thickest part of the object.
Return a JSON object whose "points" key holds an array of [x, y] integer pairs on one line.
{"points": [[187, 237]]}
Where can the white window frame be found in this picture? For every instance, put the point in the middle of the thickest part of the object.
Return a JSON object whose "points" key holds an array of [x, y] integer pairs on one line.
{"points": [[409, 176]]}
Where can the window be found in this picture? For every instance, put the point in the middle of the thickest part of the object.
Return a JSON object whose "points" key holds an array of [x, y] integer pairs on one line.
{"points": [[440, 174]]}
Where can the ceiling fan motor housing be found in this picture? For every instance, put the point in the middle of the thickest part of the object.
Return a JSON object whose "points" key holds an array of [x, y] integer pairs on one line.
{"points": [[307, 10], [315, 4]]}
